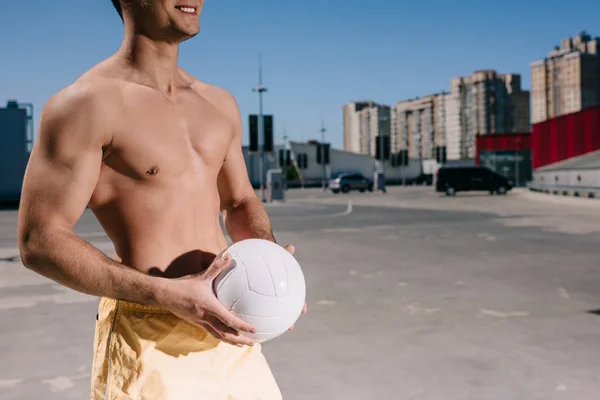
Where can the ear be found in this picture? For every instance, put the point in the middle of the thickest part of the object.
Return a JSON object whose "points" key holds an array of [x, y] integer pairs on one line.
{"points": [[126, 4]]}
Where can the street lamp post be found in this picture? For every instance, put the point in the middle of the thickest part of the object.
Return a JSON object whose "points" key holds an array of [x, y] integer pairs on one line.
{"points": [[323, 166], [384, 119], [380, 151], [517, 162]]}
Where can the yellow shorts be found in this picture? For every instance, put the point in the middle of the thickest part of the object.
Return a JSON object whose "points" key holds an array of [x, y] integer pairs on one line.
{"points": [[145, 353]]}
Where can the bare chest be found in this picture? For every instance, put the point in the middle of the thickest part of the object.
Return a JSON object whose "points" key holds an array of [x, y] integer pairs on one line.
{"points": [[160, 140]]}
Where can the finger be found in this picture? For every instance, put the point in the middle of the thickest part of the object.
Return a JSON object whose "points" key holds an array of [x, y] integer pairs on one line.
{"points": [[230, 320], [304, 309], [215, 334], [221, 327], [235, 337], [290, 248], [218, 265], [291, 328]]}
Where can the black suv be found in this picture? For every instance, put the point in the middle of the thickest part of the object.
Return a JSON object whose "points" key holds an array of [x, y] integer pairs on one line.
{"points": [[451, 180]]}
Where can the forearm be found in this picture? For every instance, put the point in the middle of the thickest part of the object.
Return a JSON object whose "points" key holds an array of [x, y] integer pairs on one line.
{"points": [[71, 261], [248, 220]]}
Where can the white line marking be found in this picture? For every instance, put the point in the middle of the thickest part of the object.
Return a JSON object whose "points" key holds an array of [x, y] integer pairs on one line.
{"points": [[492, 313], [349, 210], [341, 230], [91, 235], [414, 310], [59, 383], [67, 297], [10, 383], [326, 302], [561, 388]]}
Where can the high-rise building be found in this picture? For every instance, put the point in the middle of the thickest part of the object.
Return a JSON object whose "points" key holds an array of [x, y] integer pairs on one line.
{"points": [[568, 79], [483, 104], [454, 132], [352, 136], [16, 133], [419, 125], [374, 122]]}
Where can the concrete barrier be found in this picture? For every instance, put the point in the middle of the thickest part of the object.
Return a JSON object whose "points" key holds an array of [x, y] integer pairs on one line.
{"points": [[590, 192]]}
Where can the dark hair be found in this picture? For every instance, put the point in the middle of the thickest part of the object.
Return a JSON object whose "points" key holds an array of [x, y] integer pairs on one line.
{"points": [[117, 4]]}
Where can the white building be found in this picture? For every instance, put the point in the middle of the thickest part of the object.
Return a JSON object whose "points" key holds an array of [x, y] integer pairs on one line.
{"points": [[419, 126], [577, 176], [374, 123], [364, 122], [454, 133], [341, 161], [352, 131]]}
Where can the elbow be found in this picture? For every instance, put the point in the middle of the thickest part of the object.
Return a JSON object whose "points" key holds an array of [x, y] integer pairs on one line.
{"points": [[233, 205], [30, 249], [242, 208]]}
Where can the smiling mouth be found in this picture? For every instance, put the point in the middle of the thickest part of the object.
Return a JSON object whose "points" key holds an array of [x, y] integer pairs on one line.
{"points": [[187, 9]]}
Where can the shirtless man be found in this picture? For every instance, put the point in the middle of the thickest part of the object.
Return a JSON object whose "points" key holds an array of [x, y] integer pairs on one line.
{"points": [[157, 156]]}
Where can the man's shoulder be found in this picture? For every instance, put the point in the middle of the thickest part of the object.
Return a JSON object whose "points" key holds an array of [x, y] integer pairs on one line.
{"points": [[220, 97], [215, 93], [86, 108], [88, 94]]}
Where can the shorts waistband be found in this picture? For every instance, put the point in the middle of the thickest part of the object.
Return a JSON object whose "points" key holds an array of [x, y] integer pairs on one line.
{"points": [[108, 304]]}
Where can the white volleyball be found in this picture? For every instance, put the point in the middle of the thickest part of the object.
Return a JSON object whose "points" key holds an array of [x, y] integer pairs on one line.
{"points": [[264, 285]]}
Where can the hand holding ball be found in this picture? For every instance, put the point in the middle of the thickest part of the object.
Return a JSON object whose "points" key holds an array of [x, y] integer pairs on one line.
{"points": [[264, 286]]}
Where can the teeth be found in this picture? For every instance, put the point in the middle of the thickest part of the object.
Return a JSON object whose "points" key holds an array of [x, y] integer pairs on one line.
{"points": [[188, 10]]}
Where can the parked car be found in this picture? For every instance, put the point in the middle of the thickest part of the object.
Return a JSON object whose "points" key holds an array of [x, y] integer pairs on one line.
{"points": [[346, 181], [451, 180], [424, 179]]}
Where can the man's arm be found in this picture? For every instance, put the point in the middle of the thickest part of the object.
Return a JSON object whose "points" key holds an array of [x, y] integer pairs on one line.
{"points": [[61, 176], [243, 212], [245, 217]]}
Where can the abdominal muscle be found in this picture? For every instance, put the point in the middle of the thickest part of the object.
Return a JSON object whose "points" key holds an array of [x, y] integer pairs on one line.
{"points": [[162, 234]]}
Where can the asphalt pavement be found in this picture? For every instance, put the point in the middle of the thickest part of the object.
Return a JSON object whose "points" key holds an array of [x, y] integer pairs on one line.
{"points": [[411, 295]]}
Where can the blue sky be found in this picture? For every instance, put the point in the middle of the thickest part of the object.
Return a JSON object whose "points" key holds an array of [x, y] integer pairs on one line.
{"points": [[318, 54]]}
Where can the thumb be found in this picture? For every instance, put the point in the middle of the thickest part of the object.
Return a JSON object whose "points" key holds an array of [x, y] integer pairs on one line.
{"points": [[218, 266], [290, 248]]}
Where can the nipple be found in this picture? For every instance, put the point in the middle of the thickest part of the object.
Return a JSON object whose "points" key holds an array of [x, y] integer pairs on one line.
{"points": [[153, 171]]}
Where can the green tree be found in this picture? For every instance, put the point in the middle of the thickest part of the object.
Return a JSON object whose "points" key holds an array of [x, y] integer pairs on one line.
{"points": [[291, 173]]}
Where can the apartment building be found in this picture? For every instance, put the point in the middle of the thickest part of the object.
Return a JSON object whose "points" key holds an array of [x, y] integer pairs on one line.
{"points": [[484, 103], [352, 135], [419, 125], [568, 79], [374, 121]]}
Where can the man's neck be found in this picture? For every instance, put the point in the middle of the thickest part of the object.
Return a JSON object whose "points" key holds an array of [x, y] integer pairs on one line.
{"points": [[154, 63]]}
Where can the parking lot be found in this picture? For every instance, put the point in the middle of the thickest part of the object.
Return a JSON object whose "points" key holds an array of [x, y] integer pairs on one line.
{"points": [[411, 295]]}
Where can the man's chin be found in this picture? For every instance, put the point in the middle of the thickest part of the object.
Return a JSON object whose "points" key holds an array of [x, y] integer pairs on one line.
{"points": [[181, 37], [187, 34]]}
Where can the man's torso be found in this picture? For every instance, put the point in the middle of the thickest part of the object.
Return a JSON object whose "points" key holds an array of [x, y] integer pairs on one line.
{"points": [[157, 195]]}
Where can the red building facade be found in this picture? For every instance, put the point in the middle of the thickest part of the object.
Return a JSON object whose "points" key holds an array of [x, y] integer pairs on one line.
{"points": [[507, 154], [502, 143], [565, 137]]}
